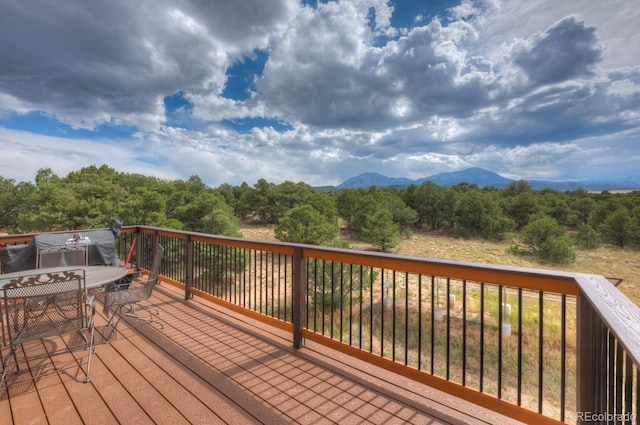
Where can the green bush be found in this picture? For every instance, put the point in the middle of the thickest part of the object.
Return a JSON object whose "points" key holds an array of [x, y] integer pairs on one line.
{"points": [[540, 230], [588, 238], [380, 230], [557, 250], [305, 224], [619, 227]]}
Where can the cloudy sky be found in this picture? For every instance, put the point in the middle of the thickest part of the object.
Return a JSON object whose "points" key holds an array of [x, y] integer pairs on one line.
{"points": [[238, 90]]}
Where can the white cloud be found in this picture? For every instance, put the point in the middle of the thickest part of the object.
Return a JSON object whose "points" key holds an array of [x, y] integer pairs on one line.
{"points": [[565, 51], [101, 62], [504, 20], [25, 153], [527, 88]]}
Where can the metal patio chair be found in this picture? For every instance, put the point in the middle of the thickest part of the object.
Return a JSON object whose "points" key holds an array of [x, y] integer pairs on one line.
{"points": [[126, 302], [39, 306]]}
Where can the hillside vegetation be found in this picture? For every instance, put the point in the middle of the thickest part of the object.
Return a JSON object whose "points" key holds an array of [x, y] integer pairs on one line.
{"points": [[621, 266], [573, 230]]}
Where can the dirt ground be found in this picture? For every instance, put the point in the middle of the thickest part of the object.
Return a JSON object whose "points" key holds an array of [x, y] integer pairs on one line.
{"points": [[611, 262]]}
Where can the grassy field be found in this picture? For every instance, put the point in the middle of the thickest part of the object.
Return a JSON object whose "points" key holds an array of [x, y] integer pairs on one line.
{"points": [[608, 261]]}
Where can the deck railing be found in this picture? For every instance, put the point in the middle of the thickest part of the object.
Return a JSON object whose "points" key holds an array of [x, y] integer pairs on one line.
{"points": [[540, 346]]}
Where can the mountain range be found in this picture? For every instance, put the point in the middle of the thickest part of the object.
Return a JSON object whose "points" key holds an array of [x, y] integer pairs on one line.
{"points": [[481, 178]]}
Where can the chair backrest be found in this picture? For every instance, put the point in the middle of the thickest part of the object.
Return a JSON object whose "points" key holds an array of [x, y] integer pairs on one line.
{"points": [[41, 305], [155, 269]]}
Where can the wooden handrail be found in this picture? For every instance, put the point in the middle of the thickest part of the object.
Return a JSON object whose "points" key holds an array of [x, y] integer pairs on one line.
{"points": [[620, 315], [519, 277]]}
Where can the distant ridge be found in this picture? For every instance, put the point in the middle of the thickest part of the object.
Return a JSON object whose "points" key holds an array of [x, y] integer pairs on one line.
{"points": [[374, 179], [475, 175], [481, 178]]}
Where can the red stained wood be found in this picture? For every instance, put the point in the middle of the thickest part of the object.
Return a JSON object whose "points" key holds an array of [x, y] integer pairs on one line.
{"points": [[210, 365]]}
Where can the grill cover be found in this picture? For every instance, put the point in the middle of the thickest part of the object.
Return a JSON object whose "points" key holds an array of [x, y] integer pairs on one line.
{"points": [[101, 244], [16, 258]]}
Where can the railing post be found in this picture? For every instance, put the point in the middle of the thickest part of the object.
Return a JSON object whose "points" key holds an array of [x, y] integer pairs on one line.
{"points": [[154, 242], [140, 251], [188, 261], [299, 297], [585, 362]]}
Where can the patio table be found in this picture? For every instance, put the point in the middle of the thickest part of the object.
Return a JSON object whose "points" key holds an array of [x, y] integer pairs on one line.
{"points": [[94, 276]]}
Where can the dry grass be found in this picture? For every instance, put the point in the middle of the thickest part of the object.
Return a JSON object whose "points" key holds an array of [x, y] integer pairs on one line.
{"points": [[608, 261]]}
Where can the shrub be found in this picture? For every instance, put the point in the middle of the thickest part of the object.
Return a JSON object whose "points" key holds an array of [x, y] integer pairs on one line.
{"points": [[588, 238], [305, 224], [557, 250], [541, 230], [619, 227], [380, 230]]}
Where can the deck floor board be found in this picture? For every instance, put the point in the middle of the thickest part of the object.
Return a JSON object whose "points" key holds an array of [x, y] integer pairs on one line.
{"points": [[209, 365]]}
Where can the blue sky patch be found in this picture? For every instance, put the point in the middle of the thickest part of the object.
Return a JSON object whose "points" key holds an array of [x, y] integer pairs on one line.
{"points": [[48, 125], [177, 102], [312, 3], [179, 111], [406, 12], [241, 76], [245, 125]]}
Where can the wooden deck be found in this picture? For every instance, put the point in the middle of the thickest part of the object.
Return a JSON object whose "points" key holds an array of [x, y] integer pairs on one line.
{"points": [[210, 366]]}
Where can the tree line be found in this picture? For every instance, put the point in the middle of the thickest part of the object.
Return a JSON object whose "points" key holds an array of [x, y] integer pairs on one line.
{"points": [[547, 223]]}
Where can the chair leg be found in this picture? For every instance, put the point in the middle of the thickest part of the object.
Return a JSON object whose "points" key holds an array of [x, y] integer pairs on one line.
{"points": [[5, 368], [151, 310], [91, 351], [129, 310], [113, 324], [7, 361]]}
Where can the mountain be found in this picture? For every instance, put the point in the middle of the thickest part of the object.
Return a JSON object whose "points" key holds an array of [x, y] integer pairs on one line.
{"points": [[374, 179], [481, 178], [477, 176]]}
